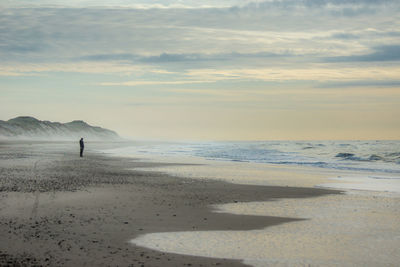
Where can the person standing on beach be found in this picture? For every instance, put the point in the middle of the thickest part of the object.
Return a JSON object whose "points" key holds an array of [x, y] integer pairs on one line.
{"points": [[82, 145]]}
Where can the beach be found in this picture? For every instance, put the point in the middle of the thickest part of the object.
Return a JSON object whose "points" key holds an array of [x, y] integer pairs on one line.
{"points": [[61, 210], [214, 133]]}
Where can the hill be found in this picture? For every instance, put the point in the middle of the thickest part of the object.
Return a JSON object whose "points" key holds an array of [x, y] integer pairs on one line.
{"points": [[29, 128]]}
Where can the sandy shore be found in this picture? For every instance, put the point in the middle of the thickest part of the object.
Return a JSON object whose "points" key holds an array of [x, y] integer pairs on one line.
{"points": [[355, 228], [59, 209]]}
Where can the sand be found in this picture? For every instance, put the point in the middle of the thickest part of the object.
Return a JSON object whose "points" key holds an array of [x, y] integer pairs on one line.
{"points": [[358, 227], [61, 210]]}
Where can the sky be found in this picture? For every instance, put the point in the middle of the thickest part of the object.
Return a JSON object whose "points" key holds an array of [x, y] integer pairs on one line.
{"points": [[205, 70]]}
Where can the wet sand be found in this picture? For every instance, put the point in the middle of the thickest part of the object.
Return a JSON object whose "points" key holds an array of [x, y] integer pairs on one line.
{"points": [[355, 228], [58, 209]]}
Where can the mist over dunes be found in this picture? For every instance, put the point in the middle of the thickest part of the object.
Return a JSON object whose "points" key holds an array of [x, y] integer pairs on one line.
{"points": [[30, 128]]}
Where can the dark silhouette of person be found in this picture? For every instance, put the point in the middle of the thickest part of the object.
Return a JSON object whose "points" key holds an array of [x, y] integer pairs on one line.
{"points": [[82, 145]]}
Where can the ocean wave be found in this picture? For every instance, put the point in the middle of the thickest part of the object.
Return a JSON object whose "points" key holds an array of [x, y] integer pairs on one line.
{"points": [[318, 163], [374, 157], [345, 155], [344, 145], [394, 154], [370, 158], [384, 178]]}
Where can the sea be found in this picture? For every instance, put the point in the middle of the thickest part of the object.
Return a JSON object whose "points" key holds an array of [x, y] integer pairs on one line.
{"points": [[358, 165], [362, 156]]}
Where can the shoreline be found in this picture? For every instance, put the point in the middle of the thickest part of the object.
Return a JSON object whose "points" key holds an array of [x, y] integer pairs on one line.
{"points": [[367, 211], [252, 172], [58, 209]]}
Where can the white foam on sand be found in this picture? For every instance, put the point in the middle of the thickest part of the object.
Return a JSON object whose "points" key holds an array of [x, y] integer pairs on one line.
{"points": [[369, 183]]}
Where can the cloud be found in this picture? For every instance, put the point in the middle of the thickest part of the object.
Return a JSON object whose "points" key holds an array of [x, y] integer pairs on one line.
{"points": [[345, 36], [168, 58], [174, 4], [136, 4], [165, 57], [347, 8], [138, 83], [319, 3], [325, 77], [243, 43], [361, 35], [161, 58], [29, 69], [381, 53], [277, 74], [360, 83], [179, 35]]}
